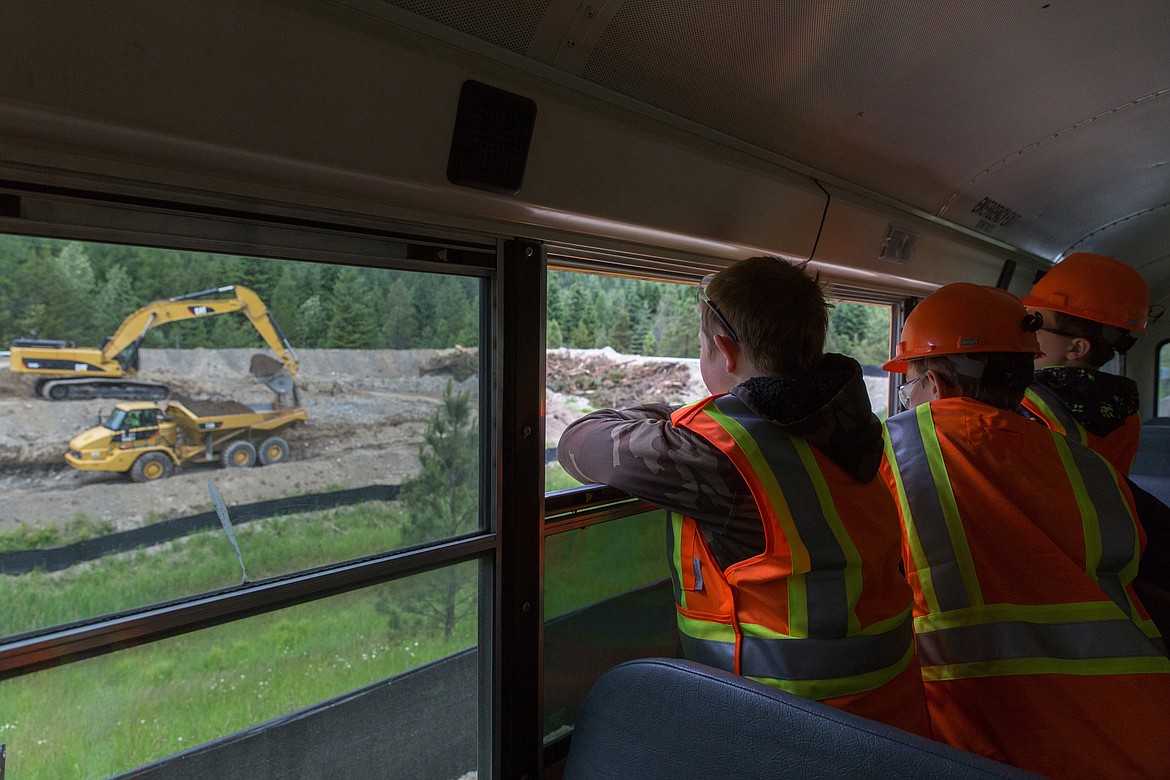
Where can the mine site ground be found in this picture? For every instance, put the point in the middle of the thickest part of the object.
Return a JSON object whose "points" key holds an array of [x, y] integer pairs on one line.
{"points": [[367, 412]]}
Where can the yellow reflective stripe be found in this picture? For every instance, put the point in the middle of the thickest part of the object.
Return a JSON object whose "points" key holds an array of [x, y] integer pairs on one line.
{"points": [[706, 630], [880, 627], [921, 565], [676, 527], [797, 597], [840, 686], [1092, 530], [1054, 413], [1032, 613], [950, 509], [1089, 667], [1117, 514], [1147, 627], [889, 624], [833, 519]]}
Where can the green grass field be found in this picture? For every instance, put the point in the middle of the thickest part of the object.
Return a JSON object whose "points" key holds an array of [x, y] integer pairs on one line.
{"points": [[106, 715]]}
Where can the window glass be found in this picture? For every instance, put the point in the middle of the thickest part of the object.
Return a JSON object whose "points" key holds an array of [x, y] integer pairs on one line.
{"points": [[333, 409], [1163, 405], [607, 599], [617, 342], [862, 331], [325, 680]]}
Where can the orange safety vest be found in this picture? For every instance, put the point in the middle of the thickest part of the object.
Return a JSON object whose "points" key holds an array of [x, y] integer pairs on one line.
{"points": [[824, 611], [1119, 446], [1021, 546]]}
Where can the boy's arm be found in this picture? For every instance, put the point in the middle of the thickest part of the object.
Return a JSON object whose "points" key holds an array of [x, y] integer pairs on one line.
{"points": [[640, 451]]}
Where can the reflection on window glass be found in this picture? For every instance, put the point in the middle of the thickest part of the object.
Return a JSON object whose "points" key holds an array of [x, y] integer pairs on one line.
{"points": [[335, 409], [616, 342], [607, 599], [1164, 380], [105, 715]]}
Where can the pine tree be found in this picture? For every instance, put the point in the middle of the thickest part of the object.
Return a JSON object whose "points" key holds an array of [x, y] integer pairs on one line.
{"points": [[553, 338], [400, 322], [440, 503], [352, 322], [308, 328], [112, 303]]}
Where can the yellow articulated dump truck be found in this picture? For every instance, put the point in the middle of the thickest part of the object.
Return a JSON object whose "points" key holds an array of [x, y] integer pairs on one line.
{"points": [[150, 440]]}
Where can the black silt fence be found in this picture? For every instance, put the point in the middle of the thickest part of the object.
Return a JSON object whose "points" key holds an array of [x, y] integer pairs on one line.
{"points": [[64, 556]]}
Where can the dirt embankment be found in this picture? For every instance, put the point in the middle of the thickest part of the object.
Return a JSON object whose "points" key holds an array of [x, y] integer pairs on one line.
{"points": [[367, 411]]}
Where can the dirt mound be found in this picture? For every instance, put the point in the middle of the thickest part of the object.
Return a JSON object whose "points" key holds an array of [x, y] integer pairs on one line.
{"points": [[608, 380]]}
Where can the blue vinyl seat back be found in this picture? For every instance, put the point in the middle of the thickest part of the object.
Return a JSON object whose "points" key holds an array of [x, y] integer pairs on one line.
{"points": [[668, 718]]}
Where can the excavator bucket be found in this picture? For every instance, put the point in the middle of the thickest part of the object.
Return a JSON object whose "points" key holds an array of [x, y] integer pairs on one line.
{"points": [[272, 373]]}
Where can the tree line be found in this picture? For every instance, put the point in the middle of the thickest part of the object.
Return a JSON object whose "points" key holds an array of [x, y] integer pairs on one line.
{"points": [[81, 292]]}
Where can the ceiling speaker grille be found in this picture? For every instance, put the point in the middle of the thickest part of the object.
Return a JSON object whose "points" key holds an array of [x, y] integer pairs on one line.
{"points": [[489, 148]]}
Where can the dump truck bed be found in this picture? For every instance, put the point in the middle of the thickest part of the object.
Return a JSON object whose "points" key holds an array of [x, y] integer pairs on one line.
{"points": [[202, 416]]}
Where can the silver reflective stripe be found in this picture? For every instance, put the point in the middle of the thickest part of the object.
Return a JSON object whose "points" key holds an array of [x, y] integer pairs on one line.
{"points": [[827, 594], [1090, 639], [672, 555], [721, 655], [926, 511], [805, 659], [1117, 530], [1056, 407]]}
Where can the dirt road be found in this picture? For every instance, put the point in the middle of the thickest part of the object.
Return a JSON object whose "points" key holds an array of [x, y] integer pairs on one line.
{"points": [[367, 412]]}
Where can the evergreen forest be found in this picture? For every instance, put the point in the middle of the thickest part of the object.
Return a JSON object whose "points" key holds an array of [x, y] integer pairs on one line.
{"points": [[81, 292]]}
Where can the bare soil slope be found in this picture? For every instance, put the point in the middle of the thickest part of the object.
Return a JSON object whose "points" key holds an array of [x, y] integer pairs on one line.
{"points": [[367, 412]]}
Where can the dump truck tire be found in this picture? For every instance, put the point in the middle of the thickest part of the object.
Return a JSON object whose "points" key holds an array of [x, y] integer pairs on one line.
{"points": [[273, 450], [151, 466], [239, 455]]}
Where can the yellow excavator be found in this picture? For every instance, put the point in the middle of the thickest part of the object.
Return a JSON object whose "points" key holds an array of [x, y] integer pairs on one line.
{"points": [[67, 372]]}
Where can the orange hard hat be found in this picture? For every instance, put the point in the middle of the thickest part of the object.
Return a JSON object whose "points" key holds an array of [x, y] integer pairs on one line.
{"points": [[1094, 287], [964, 318]]}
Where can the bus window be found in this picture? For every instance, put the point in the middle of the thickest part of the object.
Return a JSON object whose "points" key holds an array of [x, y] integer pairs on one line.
{"points": [[607, 599], [1162, 407], [385, 377], [862, 331], [616, 342], [284, 594], [318, 669]]}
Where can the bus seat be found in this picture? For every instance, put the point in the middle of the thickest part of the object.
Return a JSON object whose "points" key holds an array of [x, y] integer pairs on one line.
{"points": [[668, 718]]}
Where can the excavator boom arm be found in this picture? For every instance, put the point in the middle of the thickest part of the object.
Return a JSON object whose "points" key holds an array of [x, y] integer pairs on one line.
{"points": [[195, 305]]}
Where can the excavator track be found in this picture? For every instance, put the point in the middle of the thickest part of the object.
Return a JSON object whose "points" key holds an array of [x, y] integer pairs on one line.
{"points": [[86, 389]]}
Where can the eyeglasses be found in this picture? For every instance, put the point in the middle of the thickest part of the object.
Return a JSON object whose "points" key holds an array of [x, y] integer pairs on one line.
{"points": [[1067, 333], [905, 388], [715, 309]]}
